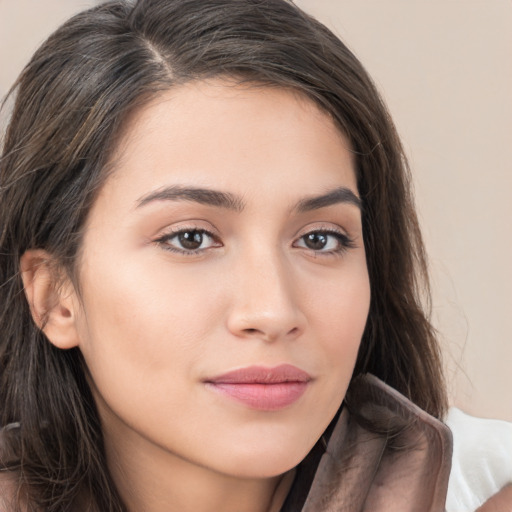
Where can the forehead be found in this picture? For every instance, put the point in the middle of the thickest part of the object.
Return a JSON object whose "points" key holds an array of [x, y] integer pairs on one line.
{"points": [[222, 134]]}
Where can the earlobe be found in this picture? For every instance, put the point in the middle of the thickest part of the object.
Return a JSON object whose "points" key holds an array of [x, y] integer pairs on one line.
{"points": [[52, 301]]}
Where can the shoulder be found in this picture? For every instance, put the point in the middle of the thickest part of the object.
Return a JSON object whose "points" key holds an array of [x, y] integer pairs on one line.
{"points": [[9, 484], [482, 459], [8, 488]]}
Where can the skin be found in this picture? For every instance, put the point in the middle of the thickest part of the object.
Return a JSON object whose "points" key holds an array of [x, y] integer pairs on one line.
{"points": [[500, 502], [154, 320]]}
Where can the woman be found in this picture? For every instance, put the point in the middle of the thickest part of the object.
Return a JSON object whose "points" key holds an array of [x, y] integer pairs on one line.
{"points": [[207, 241]]}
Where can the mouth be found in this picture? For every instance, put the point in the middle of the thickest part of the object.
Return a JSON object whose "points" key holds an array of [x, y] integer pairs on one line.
{"points": [[261, 388]]}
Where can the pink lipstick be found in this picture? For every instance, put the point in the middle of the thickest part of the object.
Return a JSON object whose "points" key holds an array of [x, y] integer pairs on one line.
{"points": [[265, 389]]}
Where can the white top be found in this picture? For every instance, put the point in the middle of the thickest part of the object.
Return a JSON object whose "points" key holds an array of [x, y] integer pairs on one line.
{"points": [[482, 460]]}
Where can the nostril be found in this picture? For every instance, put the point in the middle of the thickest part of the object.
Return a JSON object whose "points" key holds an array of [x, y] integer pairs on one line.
{"points": [[258, 332]]}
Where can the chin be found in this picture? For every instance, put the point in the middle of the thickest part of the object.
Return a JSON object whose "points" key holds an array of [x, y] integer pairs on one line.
{"points": [[266, 461]]}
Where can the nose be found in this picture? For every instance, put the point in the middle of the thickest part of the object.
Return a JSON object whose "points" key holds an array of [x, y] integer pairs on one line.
{"points": [[265, 301]]}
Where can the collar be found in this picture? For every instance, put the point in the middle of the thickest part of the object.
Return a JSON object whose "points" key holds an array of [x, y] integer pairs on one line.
{"points": [[384, 453]]}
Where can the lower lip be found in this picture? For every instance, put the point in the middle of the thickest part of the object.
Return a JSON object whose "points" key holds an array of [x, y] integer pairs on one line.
{"points": [[264, 397]]}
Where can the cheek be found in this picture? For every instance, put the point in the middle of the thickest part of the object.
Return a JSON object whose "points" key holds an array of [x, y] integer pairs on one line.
{"points": [[338, 314], [141, 322], [338, 308]]}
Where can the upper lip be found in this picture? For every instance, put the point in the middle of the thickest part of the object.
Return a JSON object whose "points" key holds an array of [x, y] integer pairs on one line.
{"points": [[262, 375]]}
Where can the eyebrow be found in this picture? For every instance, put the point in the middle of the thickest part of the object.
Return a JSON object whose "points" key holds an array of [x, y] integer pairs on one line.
{"points": [[230, 201], [205, 196], [332, 197]]}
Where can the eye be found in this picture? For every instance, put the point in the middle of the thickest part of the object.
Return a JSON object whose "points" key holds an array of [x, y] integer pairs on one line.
{"points": [[325, 241], [188, 241]]}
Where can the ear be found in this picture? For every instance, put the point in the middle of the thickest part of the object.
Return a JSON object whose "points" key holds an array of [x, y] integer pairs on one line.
{"points": [[52, 300]]}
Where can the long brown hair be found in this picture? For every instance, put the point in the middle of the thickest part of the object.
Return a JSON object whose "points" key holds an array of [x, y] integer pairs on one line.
{"points": [[71, 102]]}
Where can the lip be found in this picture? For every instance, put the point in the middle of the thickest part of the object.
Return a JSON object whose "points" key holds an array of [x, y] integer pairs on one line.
{"points": [[262, 388]]}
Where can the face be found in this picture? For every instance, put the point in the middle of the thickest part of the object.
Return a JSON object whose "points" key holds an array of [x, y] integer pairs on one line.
{"points": [[224, 287]]}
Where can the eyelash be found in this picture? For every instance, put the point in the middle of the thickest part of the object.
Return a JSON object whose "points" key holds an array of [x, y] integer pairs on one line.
{"points": [[344, 242], [164, 240]]}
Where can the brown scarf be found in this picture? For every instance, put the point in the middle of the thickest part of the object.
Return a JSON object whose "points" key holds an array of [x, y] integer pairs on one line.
{"points": [[384, 454]]}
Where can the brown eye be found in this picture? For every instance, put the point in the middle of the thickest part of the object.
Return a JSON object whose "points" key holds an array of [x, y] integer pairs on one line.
{"points": [[191, 240], [325, 242], [315, 241], [188, 241]]}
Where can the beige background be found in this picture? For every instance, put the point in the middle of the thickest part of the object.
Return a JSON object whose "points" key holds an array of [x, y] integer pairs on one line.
{"points": [[445, 69]]}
